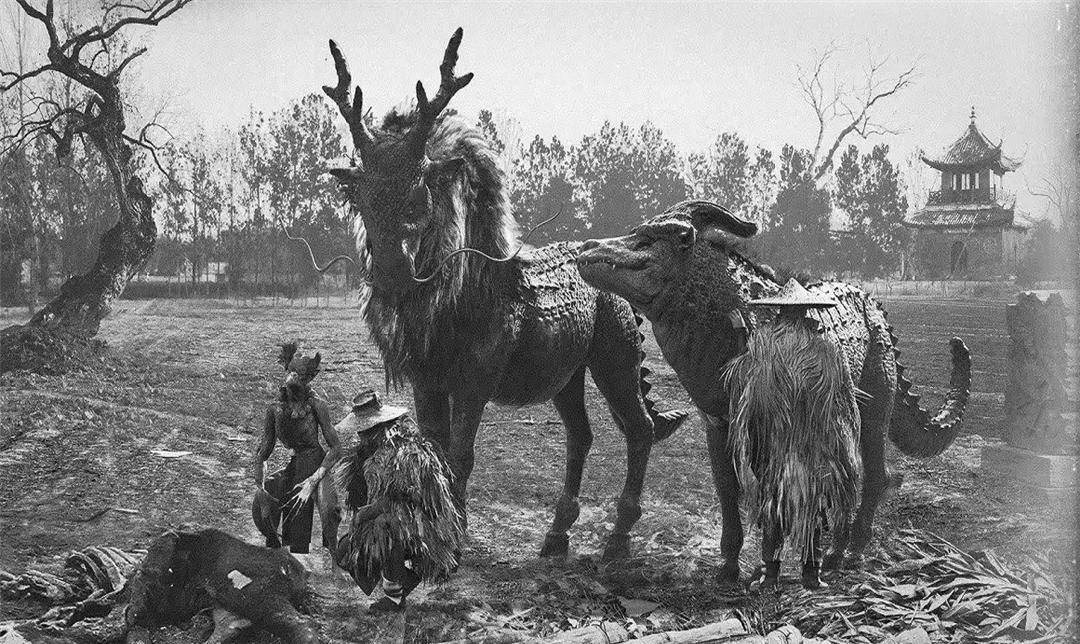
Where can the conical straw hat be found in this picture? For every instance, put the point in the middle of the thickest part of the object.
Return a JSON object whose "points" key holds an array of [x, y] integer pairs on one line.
{"points": [[793, 294]]}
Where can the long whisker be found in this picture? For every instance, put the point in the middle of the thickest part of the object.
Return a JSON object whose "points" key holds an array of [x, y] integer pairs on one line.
{"points": [[499, 260], [311, 253]]}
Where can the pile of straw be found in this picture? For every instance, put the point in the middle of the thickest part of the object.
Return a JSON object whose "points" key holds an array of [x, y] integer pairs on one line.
{"points": [[923, 580]]}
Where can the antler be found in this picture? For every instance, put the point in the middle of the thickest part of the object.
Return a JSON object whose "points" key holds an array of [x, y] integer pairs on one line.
{"points": [[354, 112], [448, 86]]}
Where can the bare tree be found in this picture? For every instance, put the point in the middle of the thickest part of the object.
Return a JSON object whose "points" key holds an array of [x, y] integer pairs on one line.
{"points": [[1058, 188], [847, 107], [88, 57]]}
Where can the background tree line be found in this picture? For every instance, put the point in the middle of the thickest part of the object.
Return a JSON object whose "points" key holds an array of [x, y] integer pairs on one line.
{"points": [[225, 200]]}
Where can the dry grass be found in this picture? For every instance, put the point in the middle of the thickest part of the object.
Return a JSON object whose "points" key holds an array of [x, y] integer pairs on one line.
{"points": [[195, 376]]}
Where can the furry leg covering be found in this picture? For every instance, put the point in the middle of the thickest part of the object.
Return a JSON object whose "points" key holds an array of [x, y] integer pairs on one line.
{"points": [[794, 429]]}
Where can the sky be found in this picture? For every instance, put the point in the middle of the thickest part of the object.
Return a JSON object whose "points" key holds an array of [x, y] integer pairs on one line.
{"points": [[693, 69]]}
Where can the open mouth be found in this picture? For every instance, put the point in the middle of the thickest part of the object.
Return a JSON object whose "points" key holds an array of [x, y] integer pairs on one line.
{"points": [[601, 263]]}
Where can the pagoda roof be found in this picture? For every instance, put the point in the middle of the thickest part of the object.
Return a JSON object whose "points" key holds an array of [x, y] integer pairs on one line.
{"points": [[966, 216], [973, 150]]}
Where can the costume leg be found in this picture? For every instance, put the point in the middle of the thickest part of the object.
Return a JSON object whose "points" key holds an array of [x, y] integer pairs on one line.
{"points": [[772, 539], [296, 525], [269, 523], [399, 579], [326, 498]]}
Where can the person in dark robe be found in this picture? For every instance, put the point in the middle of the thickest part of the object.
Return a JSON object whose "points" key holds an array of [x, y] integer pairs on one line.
{"points": [[285, 502]]}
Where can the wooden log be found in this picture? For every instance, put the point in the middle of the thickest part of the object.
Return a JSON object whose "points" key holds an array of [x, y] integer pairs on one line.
{"points": [[723, 631], [916, 635], [605, 633], [729, 631], [786, 634]]}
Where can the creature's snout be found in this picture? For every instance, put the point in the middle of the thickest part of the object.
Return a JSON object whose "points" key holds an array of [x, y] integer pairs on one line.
{"points": [[587, 246]]}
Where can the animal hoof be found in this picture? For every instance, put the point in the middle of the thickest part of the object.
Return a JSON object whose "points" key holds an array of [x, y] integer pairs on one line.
{"points": [[729, 572], [618, 547], [767, 577], [832, 561], [813, 582], [854, 562], [555, 545], [665, 424], [811, 576], [764, 583]]}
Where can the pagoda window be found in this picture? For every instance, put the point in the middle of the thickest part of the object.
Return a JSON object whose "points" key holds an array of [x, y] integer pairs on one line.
{"points": [[954, 182], [965, 181], [976, 180]]}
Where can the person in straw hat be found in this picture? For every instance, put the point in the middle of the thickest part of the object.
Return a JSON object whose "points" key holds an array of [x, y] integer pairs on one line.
{"points": [[794, 430], [404, 527], [283, 506]]}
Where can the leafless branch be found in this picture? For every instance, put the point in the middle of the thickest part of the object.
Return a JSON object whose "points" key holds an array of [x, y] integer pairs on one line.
{"points": [[153, 150], [1056, 189], [127, 60], [45, 18], [17, 78], [852, 107], [29, 130], [813, 90], [146, 16]]}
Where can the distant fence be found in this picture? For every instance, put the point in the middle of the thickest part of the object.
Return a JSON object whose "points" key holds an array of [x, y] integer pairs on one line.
{"points": [[290, 291], [1001, 290]]}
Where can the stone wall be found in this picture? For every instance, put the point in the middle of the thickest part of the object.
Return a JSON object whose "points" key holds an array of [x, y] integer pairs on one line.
{"points": [[934, 251], [1040, 397]]}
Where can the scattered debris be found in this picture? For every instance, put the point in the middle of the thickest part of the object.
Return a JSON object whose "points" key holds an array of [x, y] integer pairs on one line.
{"points": [[164, 453], [102, 512], [922, 580], [93, 571]]}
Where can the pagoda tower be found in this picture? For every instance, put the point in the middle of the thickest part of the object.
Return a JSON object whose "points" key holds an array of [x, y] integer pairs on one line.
{"points": [[969, 227]]}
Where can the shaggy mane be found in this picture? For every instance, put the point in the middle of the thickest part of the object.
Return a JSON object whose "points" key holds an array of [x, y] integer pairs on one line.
{"points": [[471, 209]]}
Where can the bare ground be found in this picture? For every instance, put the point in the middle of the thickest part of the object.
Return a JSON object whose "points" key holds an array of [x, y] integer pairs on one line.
{"points": [[76, 452]]}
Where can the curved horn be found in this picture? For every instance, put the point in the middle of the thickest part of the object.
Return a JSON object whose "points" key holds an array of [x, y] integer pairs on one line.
{"points": [[352, 112], [704, 214], [449, 85]]}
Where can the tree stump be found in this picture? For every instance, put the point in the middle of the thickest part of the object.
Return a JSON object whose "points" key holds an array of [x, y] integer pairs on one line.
{"points": [[1040, 397]]}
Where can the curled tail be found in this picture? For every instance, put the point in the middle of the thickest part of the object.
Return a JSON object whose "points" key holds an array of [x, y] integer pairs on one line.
{"points": [[664, 422], [912, 429]]}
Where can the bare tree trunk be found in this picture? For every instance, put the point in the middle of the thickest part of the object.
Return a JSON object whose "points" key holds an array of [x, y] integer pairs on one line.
{"points": [[62, 330]]}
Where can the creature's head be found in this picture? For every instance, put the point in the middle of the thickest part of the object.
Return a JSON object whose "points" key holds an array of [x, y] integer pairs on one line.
{"points": [[300, 370], [651, 264], [392, 177]]}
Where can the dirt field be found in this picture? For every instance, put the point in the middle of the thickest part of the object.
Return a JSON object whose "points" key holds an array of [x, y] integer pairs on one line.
{"points": [[195, 376]]}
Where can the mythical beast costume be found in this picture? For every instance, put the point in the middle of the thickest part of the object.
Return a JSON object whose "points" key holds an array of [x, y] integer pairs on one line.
{"points": [[794, 430]]}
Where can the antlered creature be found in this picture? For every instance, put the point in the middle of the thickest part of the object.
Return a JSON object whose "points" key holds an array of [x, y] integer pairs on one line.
{"points": [[518, 330], [682, 270]]}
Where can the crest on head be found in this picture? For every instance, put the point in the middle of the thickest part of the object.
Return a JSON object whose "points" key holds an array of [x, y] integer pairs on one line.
{"points": [[710, 221], [304, 367]]}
